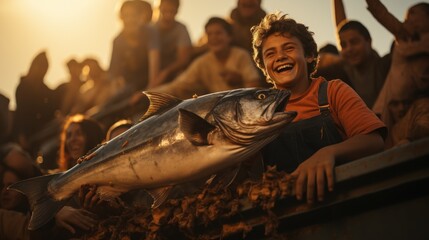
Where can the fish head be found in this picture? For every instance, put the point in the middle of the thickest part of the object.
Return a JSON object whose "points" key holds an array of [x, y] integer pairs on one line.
{"points": [[251, 115]]}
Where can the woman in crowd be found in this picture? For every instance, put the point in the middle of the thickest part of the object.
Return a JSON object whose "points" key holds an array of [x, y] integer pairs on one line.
{"points": [[79, 135]]}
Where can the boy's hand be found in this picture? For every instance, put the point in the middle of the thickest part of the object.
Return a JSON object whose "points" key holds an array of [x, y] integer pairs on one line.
{"points": [[312, 175]]}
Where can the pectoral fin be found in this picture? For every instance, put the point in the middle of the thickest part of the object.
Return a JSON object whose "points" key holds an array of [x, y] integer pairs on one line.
{"points": [[159, 195], [111, 195], [225, 178], [195, 128]]}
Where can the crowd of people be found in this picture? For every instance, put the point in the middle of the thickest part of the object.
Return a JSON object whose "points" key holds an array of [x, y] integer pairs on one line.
{"points": [[351, 102]]}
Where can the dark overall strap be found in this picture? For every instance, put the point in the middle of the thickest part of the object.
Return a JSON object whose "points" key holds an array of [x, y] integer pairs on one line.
{"points": [[323, 98]]}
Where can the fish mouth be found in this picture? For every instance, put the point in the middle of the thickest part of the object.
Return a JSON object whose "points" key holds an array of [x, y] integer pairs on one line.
{"points": [[282, 102], [279, 113]]}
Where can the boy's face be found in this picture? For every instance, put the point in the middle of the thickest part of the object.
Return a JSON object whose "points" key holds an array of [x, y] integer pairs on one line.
{"points": [[354, 47], [285, 61], [168, 12], [131, 20], [218, 38]]}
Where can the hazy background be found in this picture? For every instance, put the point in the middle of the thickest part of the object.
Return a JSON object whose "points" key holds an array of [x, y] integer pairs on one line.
{"points": [[83, 28]]}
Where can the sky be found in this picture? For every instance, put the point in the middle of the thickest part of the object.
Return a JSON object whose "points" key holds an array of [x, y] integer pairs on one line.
{"points": [[85, 28]]}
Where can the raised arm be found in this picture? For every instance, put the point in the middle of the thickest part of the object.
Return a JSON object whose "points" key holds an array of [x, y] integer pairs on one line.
{"points": [[339, 12], [339, 17], [385, 18]]}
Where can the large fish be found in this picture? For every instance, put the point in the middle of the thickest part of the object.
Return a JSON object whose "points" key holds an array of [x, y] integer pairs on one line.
{"points": [[175, 142]]}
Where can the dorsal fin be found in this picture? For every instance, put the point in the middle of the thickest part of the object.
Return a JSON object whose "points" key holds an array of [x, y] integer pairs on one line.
{"points": [[159, 102], [195, 128]]}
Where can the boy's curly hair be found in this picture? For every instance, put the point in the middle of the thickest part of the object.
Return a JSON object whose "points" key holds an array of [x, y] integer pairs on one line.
{"points": [[280, 23]]}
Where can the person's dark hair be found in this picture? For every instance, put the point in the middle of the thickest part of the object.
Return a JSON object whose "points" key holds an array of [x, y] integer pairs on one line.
{"points": [[29, 170], [174, 2], [91, 129], [423, 5], [217, 20], [279, 23], [354, 25], [329, 48], [139, 5]]}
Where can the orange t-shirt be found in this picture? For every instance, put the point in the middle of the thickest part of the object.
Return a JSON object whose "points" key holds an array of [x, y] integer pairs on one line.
{"points": [[350, 114]]}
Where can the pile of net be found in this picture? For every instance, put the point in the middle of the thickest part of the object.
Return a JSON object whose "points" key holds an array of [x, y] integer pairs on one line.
{"points": [[204, 215]]}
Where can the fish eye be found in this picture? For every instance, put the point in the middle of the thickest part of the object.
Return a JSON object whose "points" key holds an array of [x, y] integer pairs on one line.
{"points": [[261, 96]]}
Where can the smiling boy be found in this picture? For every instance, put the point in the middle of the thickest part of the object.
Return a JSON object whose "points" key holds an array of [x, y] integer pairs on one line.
{"points": [[333, 124]]}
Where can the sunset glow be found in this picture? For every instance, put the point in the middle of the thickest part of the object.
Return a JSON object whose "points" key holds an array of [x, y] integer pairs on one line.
{"points": [[86, 28]]}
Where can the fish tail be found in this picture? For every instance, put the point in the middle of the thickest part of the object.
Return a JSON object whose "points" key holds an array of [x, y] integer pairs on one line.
{"points": [[43, 207]]}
